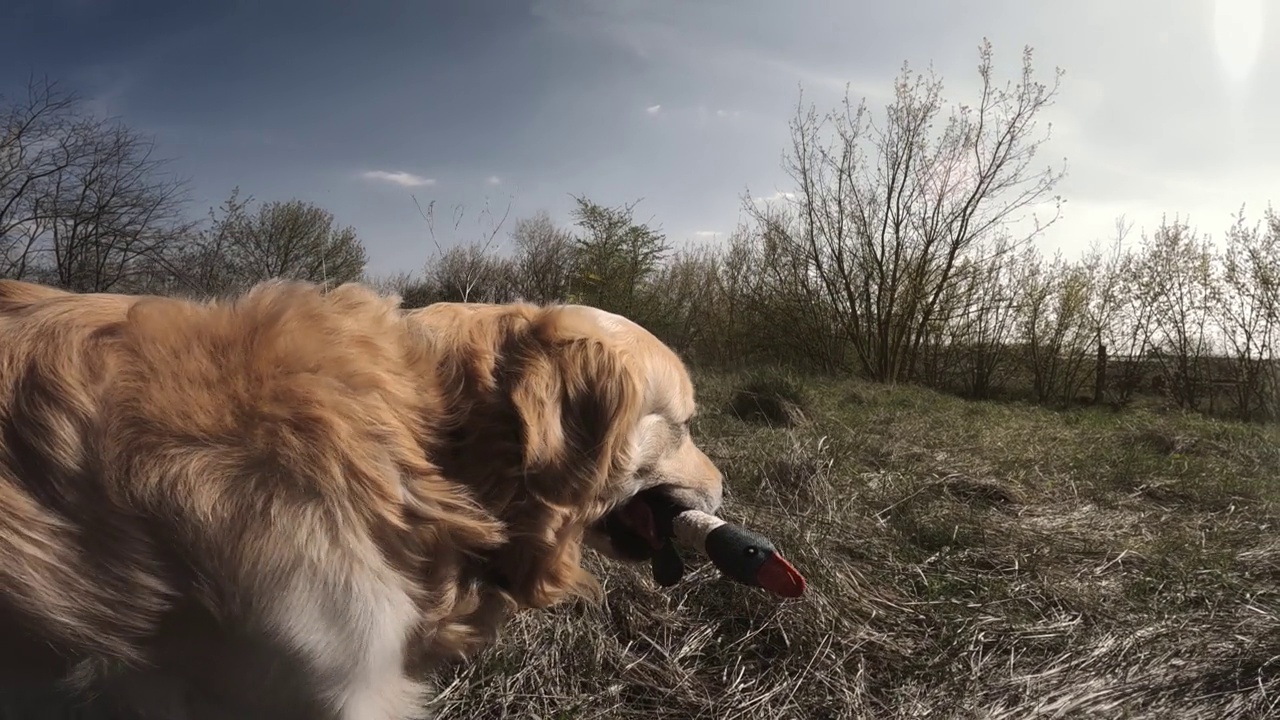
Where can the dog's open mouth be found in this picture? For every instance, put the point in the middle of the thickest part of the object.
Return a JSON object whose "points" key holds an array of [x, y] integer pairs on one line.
{"points": [[633, 526]]}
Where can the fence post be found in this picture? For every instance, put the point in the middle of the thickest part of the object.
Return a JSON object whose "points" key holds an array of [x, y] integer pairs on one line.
{"points": [[1100, 374]]}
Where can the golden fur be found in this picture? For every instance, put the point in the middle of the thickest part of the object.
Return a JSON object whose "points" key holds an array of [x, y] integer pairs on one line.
{"points": [[293, 503]]}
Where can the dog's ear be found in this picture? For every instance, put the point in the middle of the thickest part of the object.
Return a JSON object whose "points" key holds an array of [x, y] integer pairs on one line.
{"points": [[577, 401]]}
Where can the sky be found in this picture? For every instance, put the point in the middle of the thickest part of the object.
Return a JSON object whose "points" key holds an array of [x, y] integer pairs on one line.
{"points": [[683, 105]]}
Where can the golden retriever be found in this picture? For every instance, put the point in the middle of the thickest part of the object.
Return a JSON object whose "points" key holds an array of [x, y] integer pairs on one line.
{"points": [[295, 502]]}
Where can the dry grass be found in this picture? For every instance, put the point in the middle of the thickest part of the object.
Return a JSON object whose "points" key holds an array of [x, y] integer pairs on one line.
{"points": [[774, 398], [966, 560]]}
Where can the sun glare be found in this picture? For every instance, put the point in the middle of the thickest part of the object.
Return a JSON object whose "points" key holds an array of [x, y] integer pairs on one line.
{"points": [[1237, 32]]}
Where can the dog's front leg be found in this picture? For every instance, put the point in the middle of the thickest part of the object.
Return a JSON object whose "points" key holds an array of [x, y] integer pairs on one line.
{"points": [[351, 630]]}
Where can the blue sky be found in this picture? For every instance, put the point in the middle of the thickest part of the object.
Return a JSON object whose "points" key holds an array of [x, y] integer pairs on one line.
{"points": [[684, 103]]}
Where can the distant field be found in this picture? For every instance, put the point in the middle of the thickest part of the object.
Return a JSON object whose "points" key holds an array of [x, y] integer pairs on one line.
{"points": [[966, 560]]}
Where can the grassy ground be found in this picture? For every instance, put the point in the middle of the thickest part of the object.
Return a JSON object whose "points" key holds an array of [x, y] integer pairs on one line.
{"points": [[966, 560]]}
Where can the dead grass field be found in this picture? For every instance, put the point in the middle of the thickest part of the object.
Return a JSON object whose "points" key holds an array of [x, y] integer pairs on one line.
{"points": [[966, 560]]}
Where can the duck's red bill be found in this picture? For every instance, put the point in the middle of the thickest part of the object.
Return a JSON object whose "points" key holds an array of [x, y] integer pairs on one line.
{"points": [[779, 577]]}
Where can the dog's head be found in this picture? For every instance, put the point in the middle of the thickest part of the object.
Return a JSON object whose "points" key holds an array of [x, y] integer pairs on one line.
{"points": [[571, 421]]}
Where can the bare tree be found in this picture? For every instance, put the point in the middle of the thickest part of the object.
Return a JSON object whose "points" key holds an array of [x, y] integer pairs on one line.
{"points": [[1249, 313], [411, 288], [84, 202], [1128, 335], [465, 272], [545, 256], [1056, 331], [793, 318], [688, 311], [36, 144], [291, 239], [206, 263], [1117, 335], [983, 324], [725, 306], [885, 213], [735, 287], [1174, 280]]}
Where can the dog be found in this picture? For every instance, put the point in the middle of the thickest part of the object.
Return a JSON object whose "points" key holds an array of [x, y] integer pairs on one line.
{"points": [[297, 502]]}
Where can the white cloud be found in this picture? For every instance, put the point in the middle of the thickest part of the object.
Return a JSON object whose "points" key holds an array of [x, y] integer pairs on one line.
{"points": [[707, 233], [776, 197], [398, 177], [494, 180], [706, 115], [653, 109]]}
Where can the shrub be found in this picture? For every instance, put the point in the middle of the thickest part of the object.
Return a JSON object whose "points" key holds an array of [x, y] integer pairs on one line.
{"points": [[772, 398]]}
